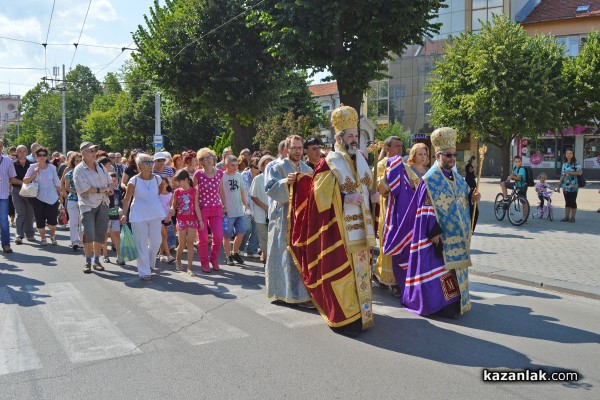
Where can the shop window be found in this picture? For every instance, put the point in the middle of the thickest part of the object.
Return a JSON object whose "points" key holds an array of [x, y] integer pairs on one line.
{"points": [[591, 153]]}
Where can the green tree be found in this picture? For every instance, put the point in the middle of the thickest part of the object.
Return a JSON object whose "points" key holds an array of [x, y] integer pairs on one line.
{"points": [[395, 129], [499, 85], [352, 38], [582, 74], [201, 54], [279, 126], [222, 141], [82, 87]]}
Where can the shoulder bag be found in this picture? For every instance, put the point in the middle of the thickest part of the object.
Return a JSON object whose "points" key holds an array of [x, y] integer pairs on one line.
{"points": [[29, 189]]}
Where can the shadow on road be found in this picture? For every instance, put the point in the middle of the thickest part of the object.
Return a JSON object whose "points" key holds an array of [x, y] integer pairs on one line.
{"points": [[25, 294]]}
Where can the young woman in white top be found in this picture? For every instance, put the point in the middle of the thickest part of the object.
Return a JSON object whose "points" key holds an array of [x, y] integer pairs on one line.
{"points": [[146, 214]]}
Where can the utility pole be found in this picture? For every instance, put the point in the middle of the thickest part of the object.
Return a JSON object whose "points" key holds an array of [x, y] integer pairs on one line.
{"points": [[157, 140], [64, 113]]}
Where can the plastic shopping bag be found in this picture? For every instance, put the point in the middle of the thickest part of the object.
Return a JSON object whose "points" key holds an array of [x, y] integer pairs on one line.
{"points": [[127, 252]]}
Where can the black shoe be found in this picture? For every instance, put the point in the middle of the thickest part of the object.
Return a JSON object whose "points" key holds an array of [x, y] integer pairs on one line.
{"points": [[19, 240], [75, 247], [237, 258], [6, 248], [230, 261]]}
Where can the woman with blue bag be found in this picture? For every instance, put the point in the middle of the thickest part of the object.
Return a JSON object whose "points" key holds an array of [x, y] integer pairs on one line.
{"points": [[146, 215]]}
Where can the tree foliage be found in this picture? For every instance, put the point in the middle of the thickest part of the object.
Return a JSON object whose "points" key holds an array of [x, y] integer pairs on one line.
{"points": [[499, 85], [582, 74], [279, 126], [201, 54], [395, 129], [352, 38]]}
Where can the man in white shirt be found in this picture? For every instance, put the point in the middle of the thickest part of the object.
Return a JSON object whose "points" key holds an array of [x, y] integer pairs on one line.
{"points": [[261, 205]]}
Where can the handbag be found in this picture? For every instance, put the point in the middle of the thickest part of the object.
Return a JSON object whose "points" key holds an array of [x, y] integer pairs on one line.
{"points": [[62, 215], [29, 189], [127, 251], [581, 180]]}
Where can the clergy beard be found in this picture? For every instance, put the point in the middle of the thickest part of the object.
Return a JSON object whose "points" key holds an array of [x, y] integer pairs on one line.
{"points": [[351, 148]]}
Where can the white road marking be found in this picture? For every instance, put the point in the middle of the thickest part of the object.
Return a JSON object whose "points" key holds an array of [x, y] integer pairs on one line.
{"points": [[16, 351], [288, 316], [83, 331], [191, 323]]}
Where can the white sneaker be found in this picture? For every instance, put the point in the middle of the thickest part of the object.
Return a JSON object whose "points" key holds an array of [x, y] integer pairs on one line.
{"points": [[163, 258]]}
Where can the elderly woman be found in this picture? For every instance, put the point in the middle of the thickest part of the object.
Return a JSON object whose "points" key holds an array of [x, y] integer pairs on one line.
{"points": [[93, 185], [45, 205], [211, 200], [75, 231], [146, 214]]}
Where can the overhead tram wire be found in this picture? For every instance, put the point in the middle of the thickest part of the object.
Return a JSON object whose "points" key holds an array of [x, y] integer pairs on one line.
{"points": [[114, 59], [47, 35], [219, 27], [61, 44], [80, 33]]}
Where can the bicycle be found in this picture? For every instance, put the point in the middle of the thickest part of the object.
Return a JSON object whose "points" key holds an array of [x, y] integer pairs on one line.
{"points": [[516, 206], [548, 209]]}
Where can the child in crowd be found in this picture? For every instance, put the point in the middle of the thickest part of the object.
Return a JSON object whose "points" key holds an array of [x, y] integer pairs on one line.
{"points": [[114, 225], [541, 188], [234, 209], [165, 195], [189, 219]]}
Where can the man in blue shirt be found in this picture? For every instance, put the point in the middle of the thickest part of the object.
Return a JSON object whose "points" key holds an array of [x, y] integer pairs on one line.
{"points": [[519, 177]]}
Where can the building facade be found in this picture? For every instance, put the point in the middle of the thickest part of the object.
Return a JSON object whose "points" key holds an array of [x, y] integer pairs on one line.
{"points": [[402, 98], [570, 22], [9, 111]]}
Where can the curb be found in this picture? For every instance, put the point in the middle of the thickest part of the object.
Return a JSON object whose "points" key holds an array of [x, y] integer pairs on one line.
{"points": [[554, 285]]}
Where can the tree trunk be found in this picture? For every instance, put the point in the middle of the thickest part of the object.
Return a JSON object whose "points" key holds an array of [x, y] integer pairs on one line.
{"points": [[506, 160], [242, 136]]}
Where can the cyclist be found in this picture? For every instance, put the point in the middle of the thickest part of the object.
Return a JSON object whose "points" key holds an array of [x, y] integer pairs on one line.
{"points": [[519, 176]]}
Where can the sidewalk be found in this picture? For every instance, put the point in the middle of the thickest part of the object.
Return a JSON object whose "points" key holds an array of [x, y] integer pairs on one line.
{"points": [[558, 256], [554, 255]]}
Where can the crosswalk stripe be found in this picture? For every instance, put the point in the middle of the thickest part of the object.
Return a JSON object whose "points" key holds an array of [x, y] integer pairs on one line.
{"points": [[83, 331], [194, 325], [281, 314], [16, 351]]}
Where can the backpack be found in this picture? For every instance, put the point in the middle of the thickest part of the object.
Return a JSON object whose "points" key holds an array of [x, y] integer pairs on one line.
{"points": [[529, 176]]}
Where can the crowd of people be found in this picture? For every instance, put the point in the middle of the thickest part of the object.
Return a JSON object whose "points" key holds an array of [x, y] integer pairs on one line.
{"points": [[311, 217]]}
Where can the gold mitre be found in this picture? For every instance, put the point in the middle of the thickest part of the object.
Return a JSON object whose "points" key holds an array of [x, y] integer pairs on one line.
{"points": [[443, 139], [344, 117]]}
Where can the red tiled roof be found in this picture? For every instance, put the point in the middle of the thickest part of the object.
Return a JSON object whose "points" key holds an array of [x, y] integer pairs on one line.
{"points": [[551, 10], [323, 89]]}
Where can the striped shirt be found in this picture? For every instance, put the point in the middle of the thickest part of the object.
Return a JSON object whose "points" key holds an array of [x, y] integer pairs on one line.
{"points": [[86, 178], [7, 171]]}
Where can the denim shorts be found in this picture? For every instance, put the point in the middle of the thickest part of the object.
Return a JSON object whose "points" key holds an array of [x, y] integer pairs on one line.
{"points": [[235, 224]]}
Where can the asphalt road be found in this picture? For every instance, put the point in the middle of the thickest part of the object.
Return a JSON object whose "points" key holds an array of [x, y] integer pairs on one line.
{"points": [[66, 335]]}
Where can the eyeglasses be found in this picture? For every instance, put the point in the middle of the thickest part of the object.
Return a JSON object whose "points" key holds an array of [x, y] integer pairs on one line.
{"points": [[160, 160], [92, 150], [111, 157], [207, 158], [148, 162], [41, 155], [449, 155]]}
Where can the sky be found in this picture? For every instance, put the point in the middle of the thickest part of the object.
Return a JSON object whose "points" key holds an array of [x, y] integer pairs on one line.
{"points": [[109, 23]]}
